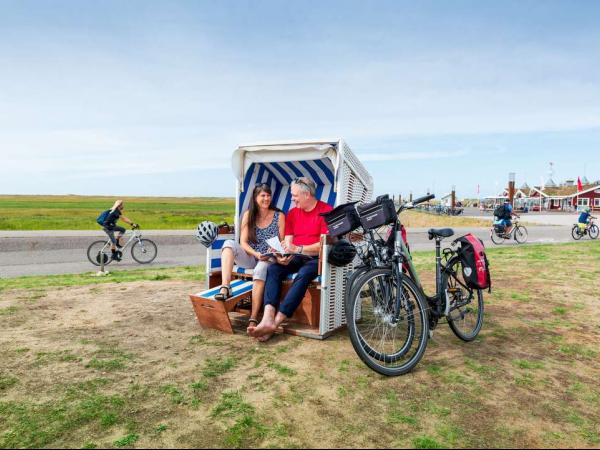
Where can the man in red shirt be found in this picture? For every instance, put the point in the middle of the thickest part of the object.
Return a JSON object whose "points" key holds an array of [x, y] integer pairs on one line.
{"points": [[303, 229]]}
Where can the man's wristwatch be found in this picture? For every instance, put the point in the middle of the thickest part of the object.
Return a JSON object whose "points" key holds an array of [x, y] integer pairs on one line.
{"points": [[301, 249]]}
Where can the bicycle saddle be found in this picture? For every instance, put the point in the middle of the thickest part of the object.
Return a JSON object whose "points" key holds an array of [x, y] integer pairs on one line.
{"points": [[440, 233]]}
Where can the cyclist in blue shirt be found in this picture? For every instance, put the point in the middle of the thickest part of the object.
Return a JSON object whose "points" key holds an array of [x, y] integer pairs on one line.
{"points": [[506, 219], [584, 218]]}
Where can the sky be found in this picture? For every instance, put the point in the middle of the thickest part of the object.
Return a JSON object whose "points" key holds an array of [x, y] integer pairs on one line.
{"points": [[152, 98]]}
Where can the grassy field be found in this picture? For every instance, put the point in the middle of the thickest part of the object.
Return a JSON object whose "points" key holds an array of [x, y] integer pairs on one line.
{"points": [[72, 212], [418, 219], [79, 212], [121, 362]]}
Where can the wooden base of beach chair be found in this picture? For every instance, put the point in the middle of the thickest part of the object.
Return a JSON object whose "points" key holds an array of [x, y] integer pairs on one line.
{"points": [[220, 315], [213, 313]]}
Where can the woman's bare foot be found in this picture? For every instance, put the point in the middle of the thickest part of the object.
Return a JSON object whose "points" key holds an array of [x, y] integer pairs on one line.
{"points": [[252, 324]]}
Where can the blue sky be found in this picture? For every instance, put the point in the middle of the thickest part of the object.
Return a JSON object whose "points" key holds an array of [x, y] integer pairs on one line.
{"points": [[151, 98]]}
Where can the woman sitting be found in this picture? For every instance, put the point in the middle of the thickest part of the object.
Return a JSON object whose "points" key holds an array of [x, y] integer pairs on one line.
{"points": [[262, 221]]}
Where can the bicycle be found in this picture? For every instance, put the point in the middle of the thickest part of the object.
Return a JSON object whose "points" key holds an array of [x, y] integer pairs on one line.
{"points": [[143, 250], [519, 233], [591, 230], [389, 327]]}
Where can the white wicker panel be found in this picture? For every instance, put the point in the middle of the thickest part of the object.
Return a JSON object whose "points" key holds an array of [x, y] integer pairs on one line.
{"points": [[356, 166], [352, 173]]}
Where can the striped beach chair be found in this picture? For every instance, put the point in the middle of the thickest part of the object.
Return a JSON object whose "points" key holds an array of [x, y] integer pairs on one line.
{"points": [[340, 178]]}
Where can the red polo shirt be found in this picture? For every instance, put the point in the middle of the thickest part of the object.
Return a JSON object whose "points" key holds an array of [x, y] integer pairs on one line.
{"points": [[306, 227]]}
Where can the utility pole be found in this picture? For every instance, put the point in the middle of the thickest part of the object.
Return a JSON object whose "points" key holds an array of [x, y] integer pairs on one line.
{"points": [[511, 188]]}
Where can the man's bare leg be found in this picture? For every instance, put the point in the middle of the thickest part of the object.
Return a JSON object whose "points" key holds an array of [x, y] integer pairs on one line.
{"points": [[279, 319]]}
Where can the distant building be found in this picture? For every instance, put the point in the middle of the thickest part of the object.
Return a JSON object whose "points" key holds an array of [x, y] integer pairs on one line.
{"points": [[565, 197], [552, 197]]}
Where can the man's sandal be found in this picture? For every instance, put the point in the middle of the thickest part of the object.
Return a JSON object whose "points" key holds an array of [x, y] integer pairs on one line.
{"points": [[223, 296]]}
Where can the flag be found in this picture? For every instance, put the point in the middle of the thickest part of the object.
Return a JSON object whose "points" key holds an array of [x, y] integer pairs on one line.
{"points": [[579, 185]]}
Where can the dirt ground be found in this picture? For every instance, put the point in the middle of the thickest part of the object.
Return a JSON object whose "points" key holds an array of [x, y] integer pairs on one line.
{"points": [[127, 365]]}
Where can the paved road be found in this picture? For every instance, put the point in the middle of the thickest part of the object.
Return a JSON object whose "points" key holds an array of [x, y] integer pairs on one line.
{"points": [[59, 252]]}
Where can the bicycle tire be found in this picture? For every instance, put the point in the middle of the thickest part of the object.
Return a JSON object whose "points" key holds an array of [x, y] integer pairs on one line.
{"points": [[93, 253], [143, 247], [495, 238], [594, 231], [450, 280], [383, 362], [521, 234], [575, 233]]}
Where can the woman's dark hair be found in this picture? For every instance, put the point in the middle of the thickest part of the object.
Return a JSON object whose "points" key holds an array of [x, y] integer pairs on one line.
{"points": [[254, 208]]}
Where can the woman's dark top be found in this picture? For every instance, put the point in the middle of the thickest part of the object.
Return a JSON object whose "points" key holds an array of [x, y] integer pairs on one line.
{"points": [[111, 220]]}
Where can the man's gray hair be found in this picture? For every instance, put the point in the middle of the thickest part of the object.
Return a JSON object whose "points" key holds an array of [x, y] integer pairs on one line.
{"points": [[306, 184]]}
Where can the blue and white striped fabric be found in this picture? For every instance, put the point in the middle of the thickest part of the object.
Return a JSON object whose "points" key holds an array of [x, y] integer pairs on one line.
{"points": [[238, 287], [279, 175]]}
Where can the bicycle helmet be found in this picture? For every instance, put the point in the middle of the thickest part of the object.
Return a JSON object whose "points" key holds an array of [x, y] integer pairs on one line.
{"points": [[341, 253], [206, 233]]}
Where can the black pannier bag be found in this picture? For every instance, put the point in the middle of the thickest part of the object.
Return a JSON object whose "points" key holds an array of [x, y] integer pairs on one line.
{"points": [[342, 220], [378, 213], [475, 265], [499, 228]]}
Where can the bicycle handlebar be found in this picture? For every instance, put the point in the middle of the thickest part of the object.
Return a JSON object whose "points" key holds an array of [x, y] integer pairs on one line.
{"points": [[411, 205], [423, 199]]}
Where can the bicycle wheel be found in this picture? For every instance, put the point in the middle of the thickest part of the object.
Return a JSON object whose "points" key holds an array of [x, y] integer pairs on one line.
{"points": [[521, 234], [465, 315], [496, 238], [594, 232], [389, 341], [144, 251], [99, 250], [575, 233]]}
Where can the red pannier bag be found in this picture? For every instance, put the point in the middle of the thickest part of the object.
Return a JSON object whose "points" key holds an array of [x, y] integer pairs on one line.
{"points": [[475, 265]]}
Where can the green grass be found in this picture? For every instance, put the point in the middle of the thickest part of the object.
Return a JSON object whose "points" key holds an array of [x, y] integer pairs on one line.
{"points": [[218, 366], [126, 441], [35, 425], [73, 212], [178, 384], [184, 273]]}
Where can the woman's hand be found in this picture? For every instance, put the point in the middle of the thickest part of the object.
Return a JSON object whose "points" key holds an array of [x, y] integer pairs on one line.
{"points": [[263, 257]]}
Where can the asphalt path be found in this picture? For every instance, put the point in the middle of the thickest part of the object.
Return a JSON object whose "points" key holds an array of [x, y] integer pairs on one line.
{"points": [[64, 252]]}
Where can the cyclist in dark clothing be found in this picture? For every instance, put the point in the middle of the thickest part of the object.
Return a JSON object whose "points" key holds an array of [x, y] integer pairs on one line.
{"points": [[110, 226]]}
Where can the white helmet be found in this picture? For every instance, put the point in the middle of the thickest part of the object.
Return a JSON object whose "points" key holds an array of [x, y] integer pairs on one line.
{"points": [[206, 233]]}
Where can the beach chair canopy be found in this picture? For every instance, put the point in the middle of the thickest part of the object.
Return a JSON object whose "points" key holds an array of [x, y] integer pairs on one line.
{"points": [[329, 163]]}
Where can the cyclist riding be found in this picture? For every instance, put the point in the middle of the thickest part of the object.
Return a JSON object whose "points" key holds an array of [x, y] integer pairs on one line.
{"points": [[585, 218], [504, 215], [108, 220]]}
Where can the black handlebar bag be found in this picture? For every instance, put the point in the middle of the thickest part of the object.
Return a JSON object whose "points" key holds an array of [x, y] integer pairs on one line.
{"points": [[378, 213], [342, 220]]}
